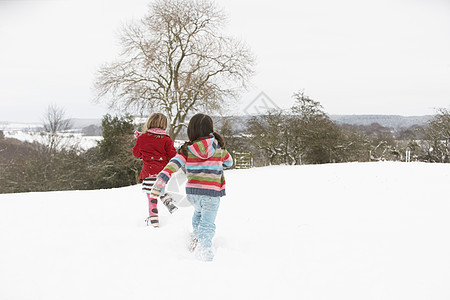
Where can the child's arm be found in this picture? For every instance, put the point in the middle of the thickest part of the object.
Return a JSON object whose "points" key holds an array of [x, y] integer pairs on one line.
{"points": [[227, 160], [170, 149], [163, 177]]}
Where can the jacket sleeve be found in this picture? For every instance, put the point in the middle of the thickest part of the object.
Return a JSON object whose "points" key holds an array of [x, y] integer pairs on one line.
{"points": [[170, 149], [227, 160], [163, 177], [137, 149]]}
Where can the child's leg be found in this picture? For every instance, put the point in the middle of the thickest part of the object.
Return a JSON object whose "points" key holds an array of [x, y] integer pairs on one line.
{"points": [[195, 201], [203, 223], [195, 222], [153, 211], [206, 226], [147, 184]]}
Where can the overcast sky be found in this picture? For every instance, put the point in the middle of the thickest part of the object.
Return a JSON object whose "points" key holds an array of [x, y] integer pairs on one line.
{"points": [[353, 56]]}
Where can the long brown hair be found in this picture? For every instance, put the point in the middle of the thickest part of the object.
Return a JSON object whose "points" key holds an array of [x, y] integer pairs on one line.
{"points": [[201, 125]]}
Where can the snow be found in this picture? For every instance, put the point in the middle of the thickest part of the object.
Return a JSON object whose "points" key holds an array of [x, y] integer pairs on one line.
{"points": [[67, 139], [33, 132], [335, 231], [30, 132]]}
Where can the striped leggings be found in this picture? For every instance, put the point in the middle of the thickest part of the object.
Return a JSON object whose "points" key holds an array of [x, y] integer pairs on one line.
{"points": [[147, 185]]}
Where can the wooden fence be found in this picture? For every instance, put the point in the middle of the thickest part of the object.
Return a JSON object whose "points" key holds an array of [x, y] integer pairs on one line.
{"points": [[242, 160]]}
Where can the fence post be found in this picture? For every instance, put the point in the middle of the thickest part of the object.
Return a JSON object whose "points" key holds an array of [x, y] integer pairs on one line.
{"points": [[408, 156]]}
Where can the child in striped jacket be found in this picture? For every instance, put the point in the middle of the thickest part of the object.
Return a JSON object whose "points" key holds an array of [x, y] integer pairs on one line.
{"points": [[204, 158]]}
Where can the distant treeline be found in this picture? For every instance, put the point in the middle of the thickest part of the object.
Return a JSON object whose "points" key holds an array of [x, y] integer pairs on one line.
{"points": [[304, 134], [390, 121]]}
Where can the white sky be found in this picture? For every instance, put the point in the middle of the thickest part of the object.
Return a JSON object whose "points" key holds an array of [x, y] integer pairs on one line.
{"points": [[353, 56]]}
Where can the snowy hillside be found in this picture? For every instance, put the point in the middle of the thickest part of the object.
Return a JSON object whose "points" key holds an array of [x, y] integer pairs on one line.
{"points": [[337, 231], [33, 133]]}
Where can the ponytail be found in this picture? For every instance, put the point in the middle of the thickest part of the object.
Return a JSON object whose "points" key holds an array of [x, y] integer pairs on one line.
{"points": [[219, 139], [184, 148]]}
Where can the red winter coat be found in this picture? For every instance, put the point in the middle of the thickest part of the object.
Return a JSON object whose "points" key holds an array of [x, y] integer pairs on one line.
{"points": [[155, 150]]}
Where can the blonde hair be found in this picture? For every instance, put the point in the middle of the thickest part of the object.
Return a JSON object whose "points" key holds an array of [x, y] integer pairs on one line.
{"points": [[156, 120]]}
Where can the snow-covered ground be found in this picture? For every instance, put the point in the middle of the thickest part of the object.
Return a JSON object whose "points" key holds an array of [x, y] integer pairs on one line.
{"points": [[32, 133], [67, 139], [336, 231]]}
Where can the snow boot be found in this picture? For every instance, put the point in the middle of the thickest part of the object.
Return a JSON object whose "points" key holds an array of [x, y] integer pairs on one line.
{"points": [[153, 221], [168, 202], [204, 254]]}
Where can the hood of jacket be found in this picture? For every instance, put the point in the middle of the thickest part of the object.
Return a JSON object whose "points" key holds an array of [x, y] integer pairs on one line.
{"points": [[204, 147]]}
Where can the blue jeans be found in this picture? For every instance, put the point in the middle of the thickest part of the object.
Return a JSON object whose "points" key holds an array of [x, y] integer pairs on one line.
{"points": [[204, 217]]}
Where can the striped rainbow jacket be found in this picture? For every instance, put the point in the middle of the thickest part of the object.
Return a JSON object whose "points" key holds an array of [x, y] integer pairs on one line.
{"points": [[204, 169]]}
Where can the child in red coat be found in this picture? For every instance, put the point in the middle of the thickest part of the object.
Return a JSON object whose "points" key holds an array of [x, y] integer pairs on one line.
{"points": [[156, 149]]}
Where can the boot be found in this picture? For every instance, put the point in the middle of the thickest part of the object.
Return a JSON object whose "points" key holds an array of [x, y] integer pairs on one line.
{"points": [[168, 202], [153, 221]]}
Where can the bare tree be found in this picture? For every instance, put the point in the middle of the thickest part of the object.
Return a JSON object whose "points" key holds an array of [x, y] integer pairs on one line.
{"points": [[55, 122], [175, 60]]}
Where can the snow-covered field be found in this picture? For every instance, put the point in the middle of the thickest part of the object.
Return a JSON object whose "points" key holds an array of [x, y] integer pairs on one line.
{"points": [[336, 231], [67, 139], [31, 133]]}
